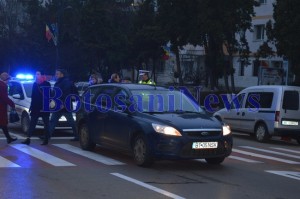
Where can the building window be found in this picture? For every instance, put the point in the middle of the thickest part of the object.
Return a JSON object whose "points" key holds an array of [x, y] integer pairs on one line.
{"points": [[256, 64], [242, 68], [259, 32]]}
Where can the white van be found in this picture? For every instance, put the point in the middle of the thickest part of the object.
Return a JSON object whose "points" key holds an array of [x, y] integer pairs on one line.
{"points": [[265, 111]]}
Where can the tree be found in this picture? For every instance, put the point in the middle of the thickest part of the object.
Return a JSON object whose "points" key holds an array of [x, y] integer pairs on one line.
{"points": [[177, 19], [285, 33]]}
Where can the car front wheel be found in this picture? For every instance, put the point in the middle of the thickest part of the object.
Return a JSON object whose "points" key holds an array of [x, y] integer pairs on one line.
{"points": [[25, 122], [214, 160], [85, 138], [141, 152], [261, 133]]}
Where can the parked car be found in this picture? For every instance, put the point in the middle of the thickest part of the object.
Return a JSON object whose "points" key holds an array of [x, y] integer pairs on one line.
{"points": [[19, 91], [264, 111], [151, 123]]}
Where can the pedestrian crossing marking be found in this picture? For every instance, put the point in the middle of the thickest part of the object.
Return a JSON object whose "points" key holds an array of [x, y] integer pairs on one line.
{"points": [[289, 174], [265, 156], [244, 159], [6, 163], [286, 150], [50, 159], [272, 152], [89, 154]]}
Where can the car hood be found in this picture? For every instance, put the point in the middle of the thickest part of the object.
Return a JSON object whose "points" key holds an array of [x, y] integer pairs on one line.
{"points": [[187, 120]]}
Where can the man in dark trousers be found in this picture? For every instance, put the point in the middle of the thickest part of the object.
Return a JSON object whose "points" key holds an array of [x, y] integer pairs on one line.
{"points": [[67, 88], [36, 107], [4, 101]]}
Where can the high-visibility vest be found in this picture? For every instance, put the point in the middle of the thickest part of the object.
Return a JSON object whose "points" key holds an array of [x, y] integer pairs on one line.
{"points": [[147, 82]]}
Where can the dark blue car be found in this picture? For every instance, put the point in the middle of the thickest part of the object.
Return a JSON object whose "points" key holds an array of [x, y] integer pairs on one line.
{"points": [[151, 123]]}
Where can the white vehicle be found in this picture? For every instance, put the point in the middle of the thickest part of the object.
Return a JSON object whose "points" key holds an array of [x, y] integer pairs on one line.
{"points": [[265, 111], [19, 91]]}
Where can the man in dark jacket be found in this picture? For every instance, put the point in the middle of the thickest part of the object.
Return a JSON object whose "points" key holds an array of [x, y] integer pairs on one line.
{"points": [[67, 88], [4, 101], [36, 107]]}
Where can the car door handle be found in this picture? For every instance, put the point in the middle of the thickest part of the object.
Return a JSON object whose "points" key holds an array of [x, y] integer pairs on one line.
{"points": [[243, 113], [238, 113]]}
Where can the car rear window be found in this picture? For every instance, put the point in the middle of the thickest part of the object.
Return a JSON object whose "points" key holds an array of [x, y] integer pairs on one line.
{"points": [[264, 99], [290, 100]]}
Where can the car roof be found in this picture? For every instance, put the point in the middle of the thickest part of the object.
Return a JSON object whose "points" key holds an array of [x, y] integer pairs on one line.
{"points": [[271, 87], [131, 86]]}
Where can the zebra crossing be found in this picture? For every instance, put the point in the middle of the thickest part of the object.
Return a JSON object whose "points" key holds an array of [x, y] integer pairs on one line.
{"points": [[67, 155]]}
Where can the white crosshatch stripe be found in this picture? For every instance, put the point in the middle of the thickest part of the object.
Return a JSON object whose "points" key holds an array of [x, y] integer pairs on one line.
{"points": [[289, 174], [6, 163], [286, 150], [88, 154], [161, 191], [244, 159], [265, 156], [272, 152], [50, 159]]}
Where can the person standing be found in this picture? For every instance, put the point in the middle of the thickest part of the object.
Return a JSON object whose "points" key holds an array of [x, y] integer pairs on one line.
{"points": [[67, 88], [4, 101], [93, 80], [36, 107], [115, 78], [145, 79]]}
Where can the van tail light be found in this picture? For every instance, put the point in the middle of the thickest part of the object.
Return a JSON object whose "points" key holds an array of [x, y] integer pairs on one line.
{"points": [[277, 115]]}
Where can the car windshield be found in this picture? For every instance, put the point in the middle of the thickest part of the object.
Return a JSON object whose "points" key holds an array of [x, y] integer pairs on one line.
{"points": [[164, 101], [28, 89]]}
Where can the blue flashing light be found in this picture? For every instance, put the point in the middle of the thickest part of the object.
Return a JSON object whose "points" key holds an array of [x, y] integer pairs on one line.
{"points": [[24, 76]]}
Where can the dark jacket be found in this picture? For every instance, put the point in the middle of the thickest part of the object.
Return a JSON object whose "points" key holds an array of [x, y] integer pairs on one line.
{"points": [[4, 101], [37, 98], [67, 87]]}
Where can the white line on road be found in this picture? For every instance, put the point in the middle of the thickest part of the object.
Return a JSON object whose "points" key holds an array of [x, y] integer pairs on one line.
{"points": [[6, 163], [265, 156], [163, 192], [289, 174], [272, 152], [50, 159], [244, 159], [286, 150], [90, 155]]}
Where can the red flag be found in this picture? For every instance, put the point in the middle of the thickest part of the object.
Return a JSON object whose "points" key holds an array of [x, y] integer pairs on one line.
{"points": [[49, 34]]}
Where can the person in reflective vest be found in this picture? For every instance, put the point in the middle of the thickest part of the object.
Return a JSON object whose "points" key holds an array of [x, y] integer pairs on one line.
{"points": [[144, 75]]}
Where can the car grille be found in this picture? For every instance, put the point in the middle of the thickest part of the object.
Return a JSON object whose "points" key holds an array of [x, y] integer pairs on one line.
{"points": [[201, 134], [188, 152]]}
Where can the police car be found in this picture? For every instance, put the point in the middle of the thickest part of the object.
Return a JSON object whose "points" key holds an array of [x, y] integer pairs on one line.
{"points": [[19, 91]]}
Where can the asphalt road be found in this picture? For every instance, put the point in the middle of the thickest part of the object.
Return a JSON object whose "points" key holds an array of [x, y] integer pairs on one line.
{"points": [[62, 170]]}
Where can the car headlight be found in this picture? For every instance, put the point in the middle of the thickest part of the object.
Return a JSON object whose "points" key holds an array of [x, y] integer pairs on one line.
{"points": [[167, 130], [226, 130]]}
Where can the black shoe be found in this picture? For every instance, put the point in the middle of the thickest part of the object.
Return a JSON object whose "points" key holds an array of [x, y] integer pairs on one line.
{"points": [[45, 142], [10, 140], [74, 139], [27, 141]]}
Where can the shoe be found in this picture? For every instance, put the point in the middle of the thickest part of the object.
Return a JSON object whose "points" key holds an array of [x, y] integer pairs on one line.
{"points": [[10, 140], [27, 141], [45, 142], [74, 139]]}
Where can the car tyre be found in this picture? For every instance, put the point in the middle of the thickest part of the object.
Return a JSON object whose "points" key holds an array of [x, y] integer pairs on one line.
{"points": [[261, 133], [25, 122], [215, 160], [85, 138], [141, 152]]}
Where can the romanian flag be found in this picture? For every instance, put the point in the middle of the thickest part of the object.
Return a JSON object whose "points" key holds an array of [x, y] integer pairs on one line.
{"points": [[49, 34]]}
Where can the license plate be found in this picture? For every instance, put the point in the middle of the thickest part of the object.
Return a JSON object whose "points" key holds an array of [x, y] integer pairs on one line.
{"points": [[205, 145], [291, 123]]}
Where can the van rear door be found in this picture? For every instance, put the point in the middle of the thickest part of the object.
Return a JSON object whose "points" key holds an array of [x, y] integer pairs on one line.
{"points": [[290, 110]]}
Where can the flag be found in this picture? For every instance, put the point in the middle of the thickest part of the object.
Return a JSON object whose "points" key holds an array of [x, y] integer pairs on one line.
{"points": [[49, 34], [166, 54]]}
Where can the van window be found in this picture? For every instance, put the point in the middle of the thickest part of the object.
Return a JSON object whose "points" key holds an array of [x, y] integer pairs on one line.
{"points": [[264, 99], [290, 100]]}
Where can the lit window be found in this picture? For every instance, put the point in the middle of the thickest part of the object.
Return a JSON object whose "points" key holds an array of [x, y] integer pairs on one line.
{"points": [[259, 32]]}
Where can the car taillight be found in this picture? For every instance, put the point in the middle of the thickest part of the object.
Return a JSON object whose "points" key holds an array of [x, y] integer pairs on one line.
{"points": [[277, 114]]}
